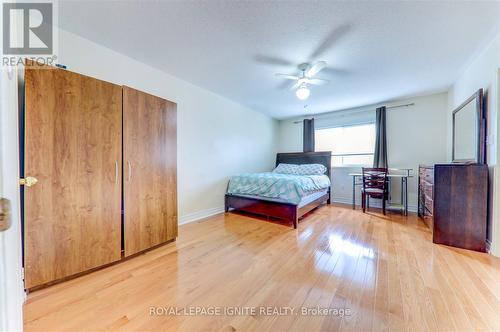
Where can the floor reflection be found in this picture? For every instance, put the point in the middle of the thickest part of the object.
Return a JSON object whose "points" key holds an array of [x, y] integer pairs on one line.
{"points": [[337, 243], [348, 260]]}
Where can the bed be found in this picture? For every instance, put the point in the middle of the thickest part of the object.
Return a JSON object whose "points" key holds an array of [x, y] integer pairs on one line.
{"points": [[298, 200]]}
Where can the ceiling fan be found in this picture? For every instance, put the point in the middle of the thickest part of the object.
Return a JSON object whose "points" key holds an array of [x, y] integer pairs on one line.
{"points": [[307, 71]]}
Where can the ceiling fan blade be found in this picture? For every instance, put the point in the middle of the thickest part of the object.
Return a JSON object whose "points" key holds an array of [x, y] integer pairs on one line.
{"points": [[271, 60], [336, 71], [333, 37], [317, 81], [295, 86], [316, 68], [288, 77]]}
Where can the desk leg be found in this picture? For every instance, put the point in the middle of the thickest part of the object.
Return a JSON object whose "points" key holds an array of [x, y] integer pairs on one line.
{"points": [[406, 196], [388, 192], [353, 192], [402, 197]]}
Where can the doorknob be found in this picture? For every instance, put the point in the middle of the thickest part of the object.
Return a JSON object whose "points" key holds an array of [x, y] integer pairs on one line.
{"points": [[5, 220], [28, 181]]}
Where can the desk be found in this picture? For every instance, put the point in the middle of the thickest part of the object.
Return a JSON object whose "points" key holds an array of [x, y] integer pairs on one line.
{"points": [[403, 206]]}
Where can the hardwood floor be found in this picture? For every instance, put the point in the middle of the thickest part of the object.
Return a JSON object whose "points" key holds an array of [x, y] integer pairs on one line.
{"points": [[384, 270]]}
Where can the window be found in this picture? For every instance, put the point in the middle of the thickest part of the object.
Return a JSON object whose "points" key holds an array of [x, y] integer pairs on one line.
{"points": [[350, 145]]}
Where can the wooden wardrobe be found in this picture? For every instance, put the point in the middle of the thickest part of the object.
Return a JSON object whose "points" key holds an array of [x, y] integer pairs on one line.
{"points": [[105, 160], [150, 186]]}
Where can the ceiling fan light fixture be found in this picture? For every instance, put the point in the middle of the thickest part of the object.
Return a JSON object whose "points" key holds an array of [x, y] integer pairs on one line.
{"points": [[303, 92]]}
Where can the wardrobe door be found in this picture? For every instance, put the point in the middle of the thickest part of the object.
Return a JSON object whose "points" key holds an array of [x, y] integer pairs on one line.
{"points": [[150, 179], [73, 147]]}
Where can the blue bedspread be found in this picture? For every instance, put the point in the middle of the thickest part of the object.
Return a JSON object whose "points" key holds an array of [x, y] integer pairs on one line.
{"points": [[286, 187]]}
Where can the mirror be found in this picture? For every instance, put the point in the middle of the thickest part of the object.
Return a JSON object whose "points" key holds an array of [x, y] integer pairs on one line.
{"points": [[468, 130]]}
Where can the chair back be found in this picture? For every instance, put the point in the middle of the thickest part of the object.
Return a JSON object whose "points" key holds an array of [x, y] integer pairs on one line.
{"points": [[375, 179]]}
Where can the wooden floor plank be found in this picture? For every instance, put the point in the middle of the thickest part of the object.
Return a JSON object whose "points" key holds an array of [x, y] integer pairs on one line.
{"points": [[384, 269]]}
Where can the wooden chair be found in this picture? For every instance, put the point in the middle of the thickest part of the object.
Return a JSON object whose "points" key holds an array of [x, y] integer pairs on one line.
{"points": [[374, 185]]}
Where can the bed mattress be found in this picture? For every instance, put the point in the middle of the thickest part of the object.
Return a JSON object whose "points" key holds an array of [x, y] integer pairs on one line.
{"points": [[283, 188]]}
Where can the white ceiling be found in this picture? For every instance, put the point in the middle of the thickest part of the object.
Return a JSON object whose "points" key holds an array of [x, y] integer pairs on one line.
{"points": [[376, 51]]}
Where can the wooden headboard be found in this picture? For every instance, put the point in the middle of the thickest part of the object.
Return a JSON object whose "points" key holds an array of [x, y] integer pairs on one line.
{"points": [[299, 158]]}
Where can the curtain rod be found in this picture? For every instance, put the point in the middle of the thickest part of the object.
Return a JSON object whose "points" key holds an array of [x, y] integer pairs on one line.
{"points": [[397, 106], [390, 107]]}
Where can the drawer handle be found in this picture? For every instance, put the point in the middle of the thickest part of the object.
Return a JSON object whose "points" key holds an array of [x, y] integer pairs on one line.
{"points": [[116, 171], [129, 171]]}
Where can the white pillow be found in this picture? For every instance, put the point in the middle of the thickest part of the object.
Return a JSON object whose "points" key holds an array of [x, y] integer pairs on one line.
{"points": [[305, 169], [311, 169], [286, 169]]}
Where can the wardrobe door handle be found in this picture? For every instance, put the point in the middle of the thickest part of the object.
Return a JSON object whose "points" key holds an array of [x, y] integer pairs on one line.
{"points": [[129, 171], [116, 171]]}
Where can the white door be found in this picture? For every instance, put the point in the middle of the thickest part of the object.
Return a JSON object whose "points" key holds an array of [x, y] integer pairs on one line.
{"points": [[11, 284]]}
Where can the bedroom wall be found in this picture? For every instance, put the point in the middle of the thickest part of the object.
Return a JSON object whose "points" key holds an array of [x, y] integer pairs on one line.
{"points": [[12, 293], [216, 137], [483, 72], [415, 135]]}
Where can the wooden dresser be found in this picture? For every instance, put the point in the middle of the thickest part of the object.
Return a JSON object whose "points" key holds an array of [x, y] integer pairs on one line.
{"points": [[453, 202]]}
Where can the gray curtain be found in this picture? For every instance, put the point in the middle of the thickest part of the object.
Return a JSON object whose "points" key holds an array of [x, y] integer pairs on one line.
{"points": [[380, 154], [308, 137]]}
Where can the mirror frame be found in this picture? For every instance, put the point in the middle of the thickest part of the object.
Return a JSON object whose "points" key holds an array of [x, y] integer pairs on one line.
{"points": [[481, 130]]}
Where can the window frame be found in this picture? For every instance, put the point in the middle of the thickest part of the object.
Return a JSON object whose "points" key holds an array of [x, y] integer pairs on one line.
{"points": [[349, 154]]}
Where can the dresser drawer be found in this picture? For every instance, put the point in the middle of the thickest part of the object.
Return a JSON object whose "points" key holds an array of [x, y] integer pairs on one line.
{"points": [[429, 205], [426, 174], [428, 190], [429, 176], [426, 193]]}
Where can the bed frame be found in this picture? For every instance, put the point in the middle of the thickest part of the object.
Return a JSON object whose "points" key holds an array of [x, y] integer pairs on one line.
{"points": [[284, 211]]}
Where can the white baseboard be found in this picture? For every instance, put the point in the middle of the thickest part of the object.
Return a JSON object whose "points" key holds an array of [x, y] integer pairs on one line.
{"points": [[344, 200], [191, 217], [348, 200], [493, 250]]}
